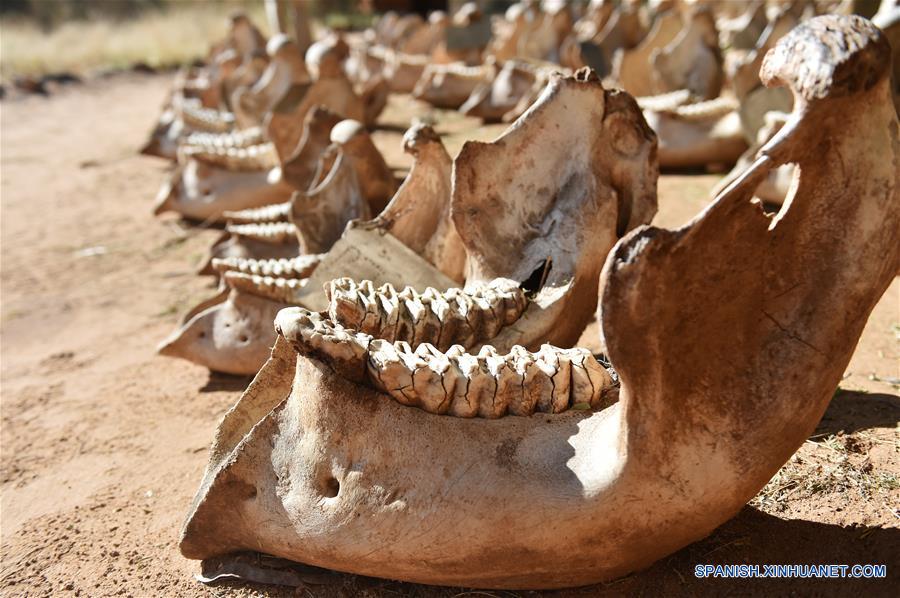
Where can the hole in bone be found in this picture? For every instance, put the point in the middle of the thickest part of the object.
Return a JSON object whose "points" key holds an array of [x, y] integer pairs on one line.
{"points": [[244, 339], [329, 486], [535, 281]]}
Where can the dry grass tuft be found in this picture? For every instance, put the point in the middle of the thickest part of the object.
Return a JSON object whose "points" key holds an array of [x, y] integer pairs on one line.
{"points": [[837, 463], [176, 36]]}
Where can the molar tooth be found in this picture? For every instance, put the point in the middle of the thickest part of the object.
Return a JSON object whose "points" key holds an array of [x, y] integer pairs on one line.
{"points": [[460, 372], [432, 390], [387, 366], [581, 388], [531, 379]]}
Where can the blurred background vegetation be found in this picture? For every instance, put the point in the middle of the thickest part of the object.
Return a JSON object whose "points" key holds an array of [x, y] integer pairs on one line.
{"points": [[38, 37]]}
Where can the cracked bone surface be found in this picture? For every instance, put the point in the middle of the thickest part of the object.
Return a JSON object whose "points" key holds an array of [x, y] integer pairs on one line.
{"points": [[319, 469], [487, 384], [453, 317], [545, 202]]}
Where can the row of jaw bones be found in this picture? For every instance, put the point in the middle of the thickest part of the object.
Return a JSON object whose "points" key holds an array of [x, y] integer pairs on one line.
{"points": [[585, 201], [714, 400], [452, 381]]}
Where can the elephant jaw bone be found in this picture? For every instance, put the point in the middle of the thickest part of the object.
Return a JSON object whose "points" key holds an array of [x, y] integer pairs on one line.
{"points": [[426, 37], [632, 68], [166, 135], [342, 476], [419, 213], [198, 118], [199, 191], [453, 382], [741, 31], [233, 244], [222, 141], [777, 183], [252, 158], [449, 85], [285, 69], [375, 178], [550, 197], [491, 100], [706, 134], [298, 169], [403, 71], [692, 61], [289, 268], [453, 317], [227, 336], [330, 89], [321, 214], [310, 165]]}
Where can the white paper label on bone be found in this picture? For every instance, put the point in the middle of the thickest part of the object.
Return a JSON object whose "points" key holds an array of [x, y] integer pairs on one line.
{"points": [[364, 254]]}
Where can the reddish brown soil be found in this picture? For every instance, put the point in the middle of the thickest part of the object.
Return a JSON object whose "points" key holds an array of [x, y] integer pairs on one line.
{"points": [[103, 442]]}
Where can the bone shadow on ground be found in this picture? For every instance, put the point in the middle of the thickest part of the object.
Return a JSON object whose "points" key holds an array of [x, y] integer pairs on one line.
{"points": [[752, 537], [218, 381], [851, 411]]}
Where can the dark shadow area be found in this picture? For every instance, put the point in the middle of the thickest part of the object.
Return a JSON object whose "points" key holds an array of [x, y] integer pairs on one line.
{"points": [[753, 538], [389, 128], [851, 411], [218, 381]]}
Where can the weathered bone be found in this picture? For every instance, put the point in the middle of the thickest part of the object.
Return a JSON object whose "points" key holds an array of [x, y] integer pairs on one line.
{"points": [[320, 215], [234, 139], [331, 89], [298, 169], [251, 158], [296, 267], [451, 381], [550, 197], [279, 212], [223, 337], [285, 69], [713, 400], [705, 134], [201, 191], [776, 186], [419, 213], [491, 100], [449, 85], [453, 317], [275, 233], [742, 31], [237, 246], [199, 118], [375, 178], [633, 68], [693, 60]]}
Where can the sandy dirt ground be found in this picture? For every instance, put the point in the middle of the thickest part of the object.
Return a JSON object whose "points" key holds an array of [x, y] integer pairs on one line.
{"points": [[104, 443]]}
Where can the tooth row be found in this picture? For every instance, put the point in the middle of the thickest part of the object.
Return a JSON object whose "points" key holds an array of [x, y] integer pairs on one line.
{"points": [[206, 119], [242, 138], [488, 384], [283, 290], [452, 317], [664, 102], [709, 109], [253, 158], [269, 232], [279, 212], [296, 267]]}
